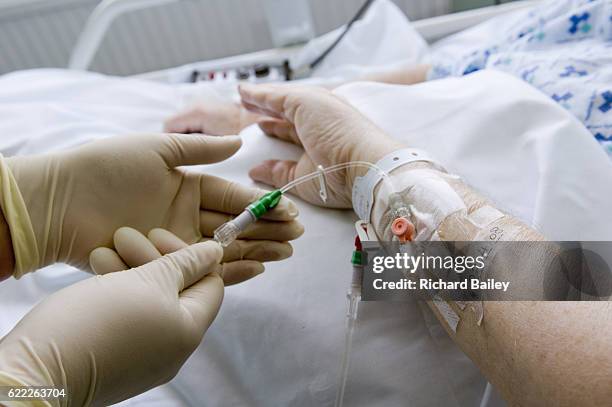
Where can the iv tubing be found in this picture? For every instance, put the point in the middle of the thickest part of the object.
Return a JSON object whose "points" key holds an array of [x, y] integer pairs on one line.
{"points": [[351, 321], [334, 168], [229, 231]]}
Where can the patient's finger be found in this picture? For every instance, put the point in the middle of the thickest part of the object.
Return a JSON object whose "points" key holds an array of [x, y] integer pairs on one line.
{"points": [[264, 99], [239, 271], [104, 260], [277, 173], [260, 230], [220, 195], [260, 110], [134, 247], [281, 129], [281, 101]]}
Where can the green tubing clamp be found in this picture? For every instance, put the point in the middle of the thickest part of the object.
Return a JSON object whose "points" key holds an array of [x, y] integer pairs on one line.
{"points": [[357, 258], [265, 203]]}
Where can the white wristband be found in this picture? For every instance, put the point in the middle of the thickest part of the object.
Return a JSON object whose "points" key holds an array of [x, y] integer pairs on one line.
{"points": [[363, 187]]}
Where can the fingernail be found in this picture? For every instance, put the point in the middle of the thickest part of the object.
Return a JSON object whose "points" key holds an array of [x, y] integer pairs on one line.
{"points": [[293, 210], [261, 173]]}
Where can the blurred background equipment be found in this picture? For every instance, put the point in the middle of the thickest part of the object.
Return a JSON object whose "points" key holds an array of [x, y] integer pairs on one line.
{"points": [[42, 33], [290, 22]]}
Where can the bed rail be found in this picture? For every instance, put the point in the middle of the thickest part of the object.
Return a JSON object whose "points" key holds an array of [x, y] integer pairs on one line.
{"points": [[101, 19], [98, 24]]}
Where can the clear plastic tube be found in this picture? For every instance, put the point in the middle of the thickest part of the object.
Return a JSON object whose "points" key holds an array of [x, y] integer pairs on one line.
{"points": [[354, 294], [353, 297], [229, 231], [334, 168]]}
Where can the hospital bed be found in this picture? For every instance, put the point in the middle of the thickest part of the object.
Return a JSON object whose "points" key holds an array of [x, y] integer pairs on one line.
{"points": [[297, 307], [100, 22]]}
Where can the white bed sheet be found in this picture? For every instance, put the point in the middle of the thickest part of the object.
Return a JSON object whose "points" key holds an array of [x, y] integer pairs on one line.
{"points": [[278, 337]]}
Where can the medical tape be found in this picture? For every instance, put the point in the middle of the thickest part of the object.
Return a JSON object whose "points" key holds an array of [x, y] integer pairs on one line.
{"points": [[492, 228], [499, 231], [461, 304], [477, 223], [16, 215], [447, 313], [429, 198], [484, 216], [363, 187]]}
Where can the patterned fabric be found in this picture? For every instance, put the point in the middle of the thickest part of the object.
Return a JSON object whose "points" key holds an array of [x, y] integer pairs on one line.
{"points": [[561, 47]]}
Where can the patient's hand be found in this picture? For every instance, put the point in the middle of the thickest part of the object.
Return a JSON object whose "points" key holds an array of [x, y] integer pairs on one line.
{"points": [[212, 118], [329, 129]]}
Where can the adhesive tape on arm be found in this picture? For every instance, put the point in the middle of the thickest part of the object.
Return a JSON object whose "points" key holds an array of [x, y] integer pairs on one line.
{"points": [[363, 188]]}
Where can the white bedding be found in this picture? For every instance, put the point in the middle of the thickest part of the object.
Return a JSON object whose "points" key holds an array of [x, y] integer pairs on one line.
{"points": [[278, 338]]}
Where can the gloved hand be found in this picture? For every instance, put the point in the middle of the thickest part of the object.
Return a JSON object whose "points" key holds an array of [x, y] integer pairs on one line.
{"points": [[133, 249], [216, 118], [329, 129], [111, 337], [75, 200]]}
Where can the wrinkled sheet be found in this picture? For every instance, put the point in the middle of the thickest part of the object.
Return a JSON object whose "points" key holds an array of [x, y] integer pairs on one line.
{"points": [[278, 338]]}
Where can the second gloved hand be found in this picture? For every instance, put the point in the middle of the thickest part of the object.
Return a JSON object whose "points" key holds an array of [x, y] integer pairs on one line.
{"points": [[111, 337]]}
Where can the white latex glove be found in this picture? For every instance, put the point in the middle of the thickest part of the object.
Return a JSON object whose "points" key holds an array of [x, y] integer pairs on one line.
{"points": [[75, 200], [111, 337], [133, 249], [329, 129]]}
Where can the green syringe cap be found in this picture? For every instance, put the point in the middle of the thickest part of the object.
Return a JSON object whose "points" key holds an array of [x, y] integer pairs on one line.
{"points": [[265, 203]]}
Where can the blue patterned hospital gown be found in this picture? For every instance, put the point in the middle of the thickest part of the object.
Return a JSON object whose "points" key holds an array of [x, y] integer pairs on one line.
{"points": [[562, 47]]}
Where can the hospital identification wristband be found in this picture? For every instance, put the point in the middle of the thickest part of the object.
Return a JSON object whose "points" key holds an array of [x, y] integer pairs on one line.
{"points": [[363, 187]]}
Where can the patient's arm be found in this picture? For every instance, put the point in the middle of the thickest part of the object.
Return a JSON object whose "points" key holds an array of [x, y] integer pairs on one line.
{"points": [[536, 353], [398, 75], [218, 118], [7, 260]]}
